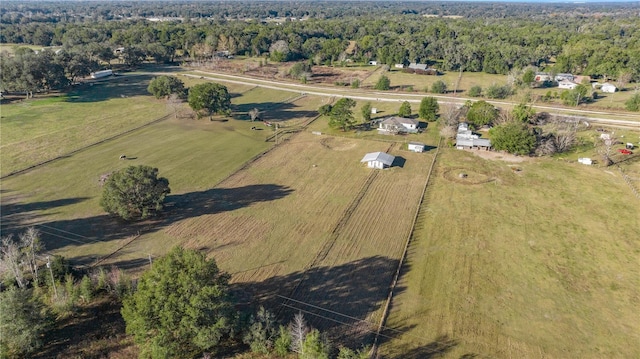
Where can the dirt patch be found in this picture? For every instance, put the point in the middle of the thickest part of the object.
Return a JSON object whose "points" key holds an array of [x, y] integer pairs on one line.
{"points": [[337, 144], [466, 176], [332, 75], [494, 156]]}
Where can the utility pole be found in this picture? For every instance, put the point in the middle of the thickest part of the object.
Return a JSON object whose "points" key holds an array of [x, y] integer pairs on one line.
{"points": [[53, 281], [150, 261]]}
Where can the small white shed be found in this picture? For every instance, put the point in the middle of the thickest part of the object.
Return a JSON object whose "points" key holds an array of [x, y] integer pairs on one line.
{"points": [[378, 160], [609, 88], [416, 146], [585, 161]]}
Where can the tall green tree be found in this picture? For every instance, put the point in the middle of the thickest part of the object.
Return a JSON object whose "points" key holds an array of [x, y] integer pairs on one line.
{"points": [[23, 322], [383, 83], [428, 108], [134, 192], [341, 115], [366, 112], [314, 346], [528, 76], [262, 332], [164, 86], [481, 113], [325, 110], [523, 113], [574, 97], [513, 137], [209, 98], [405, 109], [181, 308]]}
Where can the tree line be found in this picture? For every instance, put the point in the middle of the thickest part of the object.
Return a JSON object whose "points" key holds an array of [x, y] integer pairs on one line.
{"points": [[600, 46], [13, 12]]}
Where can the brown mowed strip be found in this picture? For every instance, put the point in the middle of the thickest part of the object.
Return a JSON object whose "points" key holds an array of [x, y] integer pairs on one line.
{"points": [[269, 243], [372, 238]]}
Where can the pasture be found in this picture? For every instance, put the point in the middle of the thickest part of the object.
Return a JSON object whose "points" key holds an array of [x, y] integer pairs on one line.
{"points": [[540, 262], [529, 259]]}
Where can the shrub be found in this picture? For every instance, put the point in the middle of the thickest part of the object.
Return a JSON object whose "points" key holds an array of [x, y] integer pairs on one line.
{"points": [[514, 138], [383, 83], [633, 103], [439, 87], [405, 109], [475, 91], [428, 109], [499, 92]]}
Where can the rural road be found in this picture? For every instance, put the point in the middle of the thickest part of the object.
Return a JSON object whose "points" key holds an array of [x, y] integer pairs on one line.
{"points": [[594, 117]]}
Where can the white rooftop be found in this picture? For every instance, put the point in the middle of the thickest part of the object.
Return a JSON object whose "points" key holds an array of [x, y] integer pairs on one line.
{"points": [[385, 158]]}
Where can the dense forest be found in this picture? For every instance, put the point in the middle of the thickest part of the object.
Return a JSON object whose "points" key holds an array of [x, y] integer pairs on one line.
{"points": [[597, 40]]}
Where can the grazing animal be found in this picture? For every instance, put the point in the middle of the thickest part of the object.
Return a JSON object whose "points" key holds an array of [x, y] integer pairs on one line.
{"points": [[123, 157]]}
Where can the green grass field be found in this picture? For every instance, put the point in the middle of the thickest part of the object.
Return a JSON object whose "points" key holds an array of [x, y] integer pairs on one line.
{"points": [[536, 263], [42, 128]]}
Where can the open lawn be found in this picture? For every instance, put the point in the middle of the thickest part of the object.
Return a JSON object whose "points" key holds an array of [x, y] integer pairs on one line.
{"points": [[39, 129], [541, 262], [194, 155]]}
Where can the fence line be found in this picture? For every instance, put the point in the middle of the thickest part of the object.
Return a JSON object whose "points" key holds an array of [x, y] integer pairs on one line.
{"points": [[629, 182], [394, 282], [86, 147]]}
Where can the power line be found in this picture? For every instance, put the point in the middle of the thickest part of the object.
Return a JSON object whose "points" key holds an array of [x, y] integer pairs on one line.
{"points": [[346, 316], [63, 237], [63, 231], [333, 320]]}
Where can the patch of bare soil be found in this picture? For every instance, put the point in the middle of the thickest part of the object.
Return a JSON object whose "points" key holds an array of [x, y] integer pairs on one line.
{"points": [[502, 156], [333, 75], [337, 144]]}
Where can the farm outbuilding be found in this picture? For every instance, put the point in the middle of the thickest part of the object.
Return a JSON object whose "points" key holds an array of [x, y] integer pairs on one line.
{"points": [[608, 88], [415, 146], [378, 160], [101, 74], [467, 139]]}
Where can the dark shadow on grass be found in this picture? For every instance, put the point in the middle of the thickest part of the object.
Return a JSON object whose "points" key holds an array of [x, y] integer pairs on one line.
{"points": [[79, 231], [15, 214], [435, 349], [122, 86], [398, 161], [72, 336], [271, 111], [334, 299], [261, 106]]}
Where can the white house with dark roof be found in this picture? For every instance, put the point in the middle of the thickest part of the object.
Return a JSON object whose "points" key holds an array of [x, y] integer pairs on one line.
{"points": [[378, 160], [395, 124]]}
